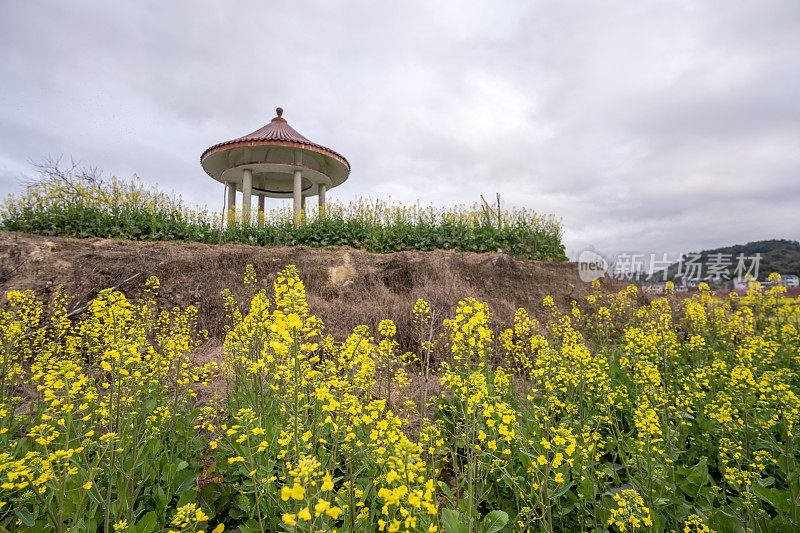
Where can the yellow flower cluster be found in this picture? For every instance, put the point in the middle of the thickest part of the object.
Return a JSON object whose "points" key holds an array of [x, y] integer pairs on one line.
{"points": [[609, 416], [630, 512], [115, 384]]}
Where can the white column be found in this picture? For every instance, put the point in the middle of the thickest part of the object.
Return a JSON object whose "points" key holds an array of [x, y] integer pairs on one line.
{"points": [[297, 188], [224, 201], [230, 211], [247, 193], [322, 189], [298, 194], [260, 207]]}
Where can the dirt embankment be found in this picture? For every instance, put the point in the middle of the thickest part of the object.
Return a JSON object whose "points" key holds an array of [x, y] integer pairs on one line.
{"points": [[345, 287]]}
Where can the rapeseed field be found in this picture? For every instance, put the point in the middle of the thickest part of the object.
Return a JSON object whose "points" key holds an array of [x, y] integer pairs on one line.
{"points": [[679, 415]]}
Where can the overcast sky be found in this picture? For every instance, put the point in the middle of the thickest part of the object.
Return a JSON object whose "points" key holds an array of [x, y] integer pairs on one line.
{"points": [[646, 126]]}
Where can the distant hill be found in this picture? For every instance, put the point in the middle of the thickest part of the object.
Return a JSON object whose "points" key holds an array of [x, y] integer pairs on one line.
{"points": [[777, 255]]}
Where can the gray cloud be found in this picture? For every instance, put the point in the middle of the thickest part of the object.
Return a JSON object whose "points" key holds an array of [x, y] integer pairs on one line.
{"points": [[652, 126]]}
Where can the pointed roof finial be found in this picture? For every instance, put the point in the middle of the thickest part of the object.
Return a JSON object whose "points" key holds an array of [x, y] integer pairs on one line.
{"points": [[279, 111]]}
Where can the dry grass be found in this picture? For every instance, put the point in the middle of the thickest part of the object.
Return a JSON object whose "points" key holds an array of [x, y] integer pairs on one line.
{"points": [[345, 287]]}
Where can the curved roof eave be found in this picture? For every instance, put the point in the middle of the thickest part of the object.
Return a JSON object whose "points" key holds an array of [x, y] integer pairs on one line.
{"points": [[293, 144], [277, 132]]}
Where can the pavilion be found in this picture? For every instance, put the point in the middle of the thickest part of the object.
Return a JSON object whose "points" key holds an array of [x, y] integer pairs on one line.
{"points": [[274, 161]]}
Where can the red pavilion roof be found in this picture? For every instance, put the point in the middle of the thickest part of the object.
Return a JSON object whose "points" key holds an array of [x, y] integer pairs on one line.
{"points": [[278, 131]]}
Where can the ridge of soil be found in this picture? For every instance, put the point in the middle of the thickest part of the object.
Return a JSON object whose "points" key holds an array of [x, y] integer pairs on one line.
{"points": [[345, 287]]}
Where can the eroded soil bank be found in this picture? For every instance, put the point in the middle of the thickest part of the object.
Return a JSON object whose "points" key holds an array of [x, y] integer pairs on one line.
{"points": [[345, 287]]}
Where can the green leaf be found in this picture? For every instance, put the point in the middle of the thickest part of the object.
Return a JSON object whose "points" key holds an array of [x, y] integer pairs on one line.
{"points": [[447, 492], [184, 481], [92, 496], [250, 527], [778, 499], [560, 492], [147, 524], [162, 497], [722, 522], [243, 503], [495, 521], [25, 516], [767, 481], [190, 496], [237, 514], [451, 520]]}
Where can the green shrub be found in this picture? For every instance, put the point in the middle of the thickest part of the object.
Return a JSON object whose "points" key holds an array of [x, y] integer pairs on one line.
{"points": [[75, 207]]}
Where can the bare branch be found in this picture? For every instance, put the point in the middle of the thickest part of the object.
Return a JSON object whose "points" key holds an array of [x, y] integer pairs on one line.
{"points": [[73, 177]]}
